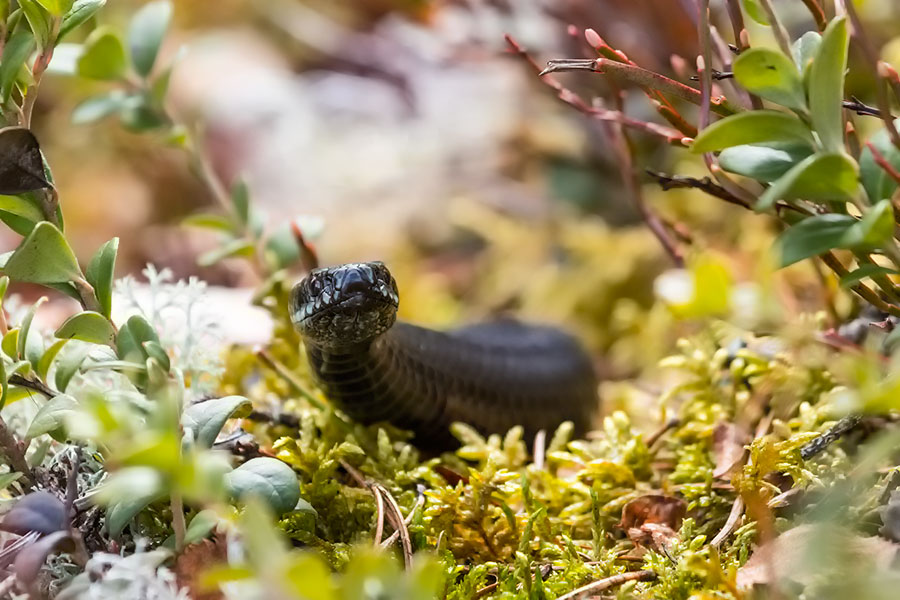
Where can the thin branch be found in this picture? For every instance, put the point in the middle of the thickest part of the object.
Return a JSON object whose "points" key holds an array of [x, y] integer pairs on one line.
{"points": [[882, 162], [671, 136], [863, 110], [285, 373], [819, 444], [671, 182], [734, 517], [379, 519], [704, 63], [863, 290], [37, 72], [33, 384], [15, 454], [781, 35], [871, 56], [817, 13], [595, 587], [737, 21], [639, 76]]}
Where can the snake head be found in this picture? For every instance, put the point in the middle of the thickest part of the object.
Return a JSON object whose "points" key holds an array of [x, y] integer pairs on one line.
{"points": [[344, 306]]}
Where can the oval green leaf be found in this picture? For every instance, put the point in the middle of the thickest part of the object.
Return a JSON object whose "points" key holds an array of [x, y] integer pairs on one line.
{"points": [[821, 177], [103, 57], [752, 127], [826, 85], [52, 416], [764, 163], [266, 478], [878, 184], [206, 419], [88, 326], [100, 273], [79, 14], [43, 257], [812, 236], [148, 28], [771, 75]]}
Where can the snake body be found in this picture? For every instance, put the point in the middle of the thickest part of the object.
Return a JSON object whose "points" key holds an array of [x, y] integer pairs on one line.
{"points": [[491, 376]]}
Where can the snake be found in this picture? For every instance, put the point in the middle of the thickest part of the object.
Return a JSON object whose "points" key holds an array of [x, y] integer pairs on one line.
{"points": [[492, 375]]}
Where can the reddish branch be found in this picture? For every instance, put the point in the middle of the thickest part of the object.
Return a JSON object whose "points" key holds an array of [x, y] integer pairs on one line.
{"points": [[817, 13], [882, 162], [672, 136]]}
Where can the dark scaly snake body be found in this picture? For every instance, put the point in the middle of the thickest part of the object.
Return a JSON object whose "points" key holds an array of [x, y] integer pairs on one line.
{"points": [[491, 376]]}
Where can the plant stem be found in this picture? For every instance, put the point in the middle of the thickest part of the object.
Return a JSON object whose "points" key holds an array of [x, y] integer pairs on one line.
{"points": [[639, 76], [178, 524], [15, 454], [37, 72], [781, 35], [817, 13]]}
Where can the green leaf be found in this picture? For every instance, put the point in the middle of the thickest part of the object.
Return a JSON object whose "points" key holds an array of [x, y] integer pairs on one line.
{"points": [[22, 207], [43, 257], [99, 107], [81, 12], [88, 326], [103, 57], [240, 199], [128, 492], [752, 127], [21, 163], [7, 478], [68, 365], [821, 177], [874, 228], [866, 270], [11, 342], [771, 75], [805, 49], [25, 332], [206, 419], [100, 273], [237, 247], [155, 351], [200, 526], [52, 417], [826, 85], [15, 53], [43, 366], [131, 338], [38, 20], [813, 236], [57, 8], [282, 248], [755, 11], [138, 114], [266, 478], [4, 383], [878, 184], [207, 221], [763, 162], [148, 28]]}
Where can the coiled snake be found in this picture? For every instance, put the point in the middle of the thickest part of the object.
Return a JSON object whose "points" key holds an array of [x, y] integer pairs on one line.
{"points": [[492, 376]]}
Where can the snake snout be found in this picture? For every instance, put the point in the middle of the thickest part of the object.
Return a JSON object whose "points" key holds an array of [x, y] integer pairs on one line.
{"points": [[354, 283]]}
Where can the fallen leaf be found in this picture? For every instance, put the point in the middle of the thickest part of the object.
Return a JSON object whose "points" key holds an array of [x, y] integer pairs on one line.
{"points": [[653, 508], [728, 447], [787, 557], [21, 164], [194, 561]]}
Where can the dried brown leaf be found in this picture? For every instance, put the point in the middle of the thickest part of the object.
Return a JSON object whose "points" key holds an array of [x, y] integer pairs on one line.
{"points": [[654, 509], [728, 447]]}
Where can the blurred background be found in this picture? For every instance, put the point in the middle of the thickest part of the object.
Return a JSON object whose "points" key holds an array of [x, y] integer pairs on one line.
{"points": [[404, 130]]}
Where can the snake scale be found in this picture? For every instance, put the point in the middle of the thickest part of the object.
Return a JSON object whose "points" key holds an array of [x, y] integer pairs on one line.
{"points": [[491, 376]]}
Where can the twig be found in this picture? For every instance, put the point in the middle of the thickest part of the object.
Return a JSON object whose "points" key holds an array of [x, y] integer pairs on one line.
{"points": [[622, 148], [671, 182], [672, 136], [392, 509], [656, 435], [607, 583], [35, 385], [15, 454], [37, 72], [737, 21], [420, 500], [862, 109], [781, 35], [284, 419], [179, 527], [267, 359], [817, 13], [704, 64], [839, 429], [737, 509], [639, 76], [871, 55], [379, 519], [863, 290], [540, 449], [882, 162]]}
